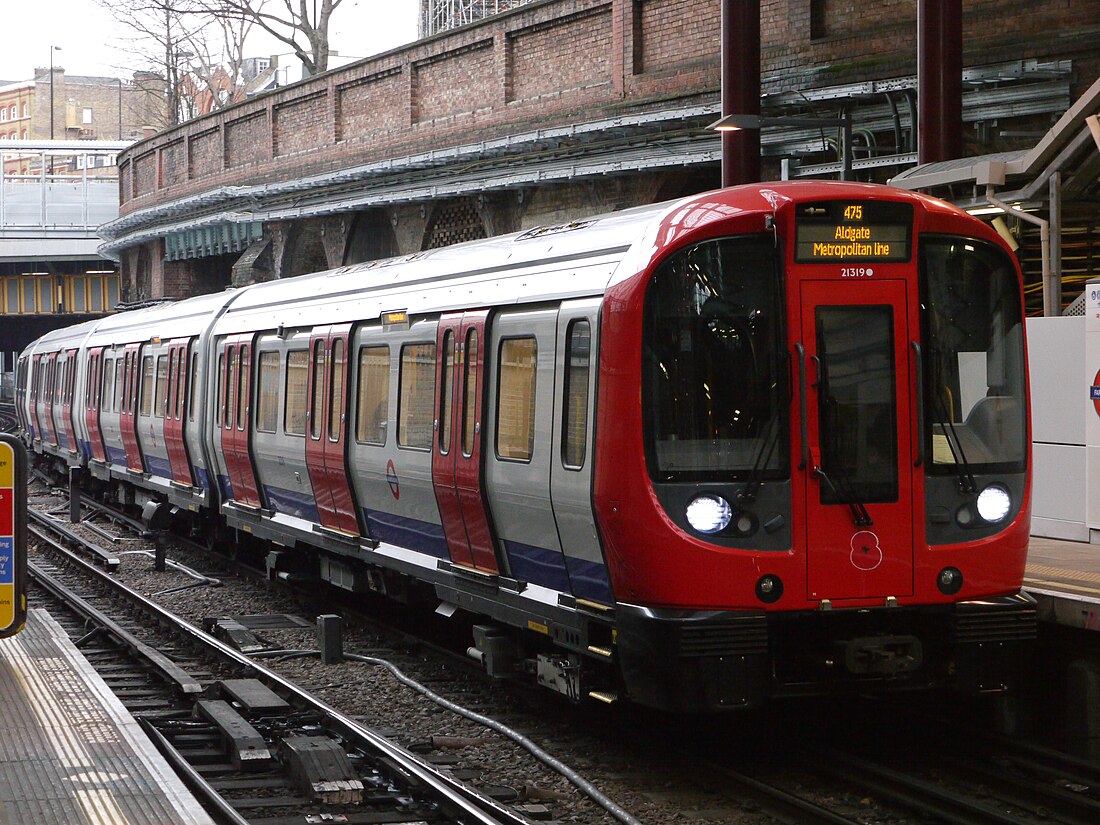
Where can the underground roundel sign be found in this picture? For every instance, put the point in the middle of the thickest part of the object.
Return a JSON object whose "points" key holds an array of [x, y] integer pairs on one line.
{"points": [[1094, 392]]}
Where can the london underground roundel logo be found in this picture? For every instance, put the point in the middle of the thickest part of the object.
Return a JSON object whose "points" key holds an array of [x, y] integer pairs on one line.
{"points": [[391, 479], [1094, 392]]}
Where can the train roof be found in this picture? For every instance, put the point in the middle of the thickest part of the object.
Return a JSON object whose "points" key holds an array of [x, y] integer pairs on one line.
{"points": [[576, 259]]}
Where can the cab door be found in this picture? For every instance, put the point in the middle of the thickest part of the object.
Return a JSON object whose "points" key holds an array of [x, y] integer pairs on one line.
{"points": [[456, 456], [856, 378], [326, 445]]}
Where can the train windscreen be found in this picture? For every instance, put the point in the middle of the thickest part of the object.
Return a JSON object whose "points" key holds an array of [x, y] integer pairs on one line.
{"points": [[713, 387], [974, 367]]}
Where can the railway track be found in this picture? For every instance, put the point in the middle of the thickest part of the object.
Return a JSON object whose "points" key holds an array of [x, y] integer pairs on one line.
{"points": [[269, 751]]}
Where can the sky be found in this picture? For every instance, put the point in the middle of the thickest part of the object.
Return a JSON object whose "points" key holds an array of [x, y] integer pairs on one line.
{"points": [[92, 42]]}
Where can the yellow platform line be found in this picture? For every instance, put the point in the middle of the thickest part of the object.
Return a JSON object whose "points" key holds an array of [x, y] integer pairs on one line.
{"points": [[1076, 575], [1060, 585]]}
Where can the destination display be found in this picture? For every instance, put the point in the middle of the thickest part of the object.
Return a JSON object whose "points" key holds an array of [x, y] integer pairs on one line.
{"points": [[846, 231]]}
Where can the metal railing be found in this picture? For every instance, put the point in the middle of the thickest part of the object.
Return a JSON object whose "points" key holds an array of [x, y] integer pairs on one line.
{"points": [[57, 186]]}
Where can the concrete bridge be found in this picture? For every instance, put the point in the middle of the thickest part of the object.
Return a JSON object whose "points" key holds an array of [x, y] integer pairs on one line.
{"points": [[558, 109]]}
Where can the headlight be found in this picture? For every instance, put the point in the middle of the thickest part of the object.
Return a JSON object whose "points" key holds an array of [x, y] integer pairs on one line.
{"points": [[994, 503], [709, 514]]}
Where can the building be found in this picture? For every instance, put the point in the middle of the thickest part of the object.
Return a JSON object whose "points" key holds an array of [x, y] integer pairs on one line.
{"points": [[441, 15], [84, 108], [16, 104]]}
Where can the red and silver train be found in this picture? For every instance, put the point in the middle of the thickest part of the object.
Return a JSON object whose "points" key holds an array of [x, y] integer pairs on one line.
{"points": [[765, 441]]}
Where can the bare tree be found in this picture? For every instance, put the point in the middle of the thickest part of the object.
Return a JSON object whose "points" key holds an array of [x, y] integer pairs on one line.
{"points": [[213, 79], [301, 24], [185, 43]]}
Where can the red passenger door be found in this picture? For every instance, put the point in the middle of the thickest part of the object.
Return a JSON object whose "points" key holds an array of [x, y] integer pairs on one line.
{"points": [[51, 389], [178, 359], [67, 391], [235, 425], [36, 394], [93, 398], [131, 375], [858, 443], [456, 456], [326, 444]]}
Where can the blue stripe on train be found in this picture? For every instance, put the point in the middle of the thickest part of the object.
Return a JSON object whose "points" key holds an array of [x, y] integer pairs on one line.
{"points": [[158, 466], [292, 502], [589, 580], [414, 534], [537, 565]]}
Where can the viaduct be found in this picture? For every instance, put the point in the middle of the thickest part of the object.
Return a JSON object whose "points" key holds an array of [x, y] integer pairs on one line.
{"points": [[557, 110]]}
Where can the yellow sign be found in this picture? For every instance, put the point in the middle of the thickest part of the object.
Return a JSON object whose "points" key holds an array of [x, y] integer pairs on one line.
{"points": [[8, 596], [845, 232]]}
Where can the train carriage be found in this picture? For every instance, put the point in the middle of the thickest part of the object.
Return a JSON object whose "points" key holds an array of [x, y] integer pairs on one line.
{"points": [[771, 440]]}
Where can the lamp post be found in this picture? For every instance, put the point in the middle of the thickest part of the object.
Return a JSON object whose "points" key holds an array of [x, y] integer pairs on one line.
{"points": [[735, 122], [52, 50]]}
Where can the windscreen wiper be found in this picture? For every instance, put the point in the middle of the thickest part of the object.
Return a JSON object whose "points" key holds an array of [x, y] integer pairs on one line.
{"points": [[763, 458], [860, 516], [967, 483]]}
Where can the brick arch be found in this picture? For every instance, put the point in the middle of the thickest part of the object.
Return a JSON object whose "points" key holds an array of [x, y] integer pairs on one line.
{"points": [[305, 252], [371, 237], [454, 221]]}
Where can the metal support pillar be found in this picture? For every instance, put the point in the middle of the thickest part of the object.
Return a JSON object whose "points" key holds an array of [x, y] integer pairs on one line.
{"points": [[740, 89], [1052, 289], [939, 80], [74, 494], [160, 554], [330, 638]]}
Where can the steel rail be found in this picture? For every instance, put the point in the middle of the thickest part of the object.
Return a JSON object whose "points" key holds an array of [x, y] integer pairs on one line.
{"points": [[455, 797]]}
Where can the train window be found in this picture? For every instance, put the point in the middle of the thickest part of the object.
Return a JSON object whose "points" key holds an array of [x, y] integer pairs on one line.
{"points": [[374, 395], [181, 383], [336, 390], [120, 383], [317, 395], [446, 392], [146, 385], [574, 434], [267, 393], [516, 399], [857, 403], [173, 381], [974, 365], [713, 365], [191, 382], [219, 404], [244, 397], [107, 393], [469, 411], [232, 388], [162, 387], [416, 396], [297, 380]]}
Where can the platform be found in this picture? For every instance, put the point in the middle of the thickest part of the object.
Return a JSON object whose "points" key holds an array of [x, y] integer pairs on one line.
{"points": [[1064, 577], [69, 751]]}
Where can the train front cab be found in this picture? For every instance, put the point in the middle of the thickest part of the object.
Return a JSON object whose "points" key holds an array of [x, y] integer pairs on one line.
{"points": [[834, 415]]}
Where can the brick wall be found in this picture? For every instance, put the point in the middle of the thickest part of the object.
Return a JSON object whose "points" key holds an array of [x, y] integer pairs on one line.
{"points": [[558, 62], [560, 55]]}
